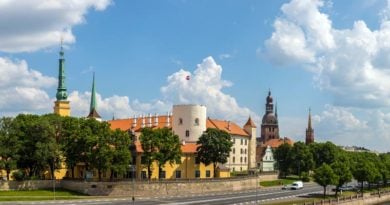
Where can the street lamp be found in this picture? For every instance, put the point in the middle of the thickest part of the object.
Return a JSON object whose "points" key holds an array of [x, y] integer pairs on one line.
{"points": [[133, 182]]}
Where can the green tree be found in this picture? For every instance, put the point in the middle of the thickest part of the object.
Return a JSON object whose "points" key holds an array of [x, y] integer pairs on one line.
{"points": [[149, 144], [38, 144], [214, 147], [301, 158], [100, 154], [72, 143], [9, 145], [121, 157], [343, 171], [169, 148], [364, 171], [325, 176], [283, 159], [324, 153]]}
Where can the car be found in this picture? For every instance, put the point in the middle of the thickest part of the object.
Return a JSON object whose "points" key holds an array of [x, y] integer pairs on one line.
{"points": [[295, 185], [345, 188]]}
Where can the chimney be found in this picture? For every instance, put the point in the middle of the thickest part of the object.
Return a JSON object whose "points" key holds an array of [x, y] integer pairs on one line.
{"points": [[134, 124], [168, 123], [155, 119], [143, 121], [228, 126], [149, 120]]}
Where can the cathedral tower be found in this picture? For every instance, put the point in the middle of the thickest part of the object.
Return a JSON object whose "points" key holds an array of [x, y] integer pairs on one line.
{"points": [[269, 125], [61, 105], [309, 131], [92, 108]]}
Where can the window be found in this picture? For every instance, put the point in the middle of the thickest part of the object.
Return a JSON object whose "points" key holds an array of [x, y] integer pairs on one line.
{"points": [[245, 151], [245, 142], [245, 159], [242, 141], [241, 151], [234, 150], [240, 168], [241, 159], [178, 174], [234, 140], [180, 121], [234, 169], [234, 159], [162, 175], [187, 133], [196, 121], [197, 173], [207, 173]]}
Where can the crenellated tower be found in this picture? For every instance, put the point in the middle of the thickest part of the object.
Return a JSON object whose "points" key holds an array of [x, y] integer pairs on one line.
{"points": [[61, 105]]}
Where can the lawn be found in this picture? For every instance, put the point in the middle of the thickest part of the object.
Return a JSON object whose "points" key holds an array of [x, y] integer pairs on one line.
{"points": [[279, 182], [43, 194]]}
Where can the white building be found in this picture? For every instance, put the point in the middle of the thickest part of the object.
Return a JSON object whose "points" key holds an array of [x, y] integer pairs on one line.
{"points": [[189, 122]]}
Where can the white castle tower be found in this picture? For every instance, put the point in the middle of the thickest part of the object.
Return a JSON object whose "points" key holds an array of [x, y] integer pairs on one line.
{"points": [[189, 121]]}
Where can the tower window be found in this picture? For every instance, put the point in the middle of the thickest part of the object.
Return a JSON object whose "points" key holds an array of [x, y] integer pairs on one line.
{"points": [[234, 151], [234, 159], [180, 121], [196, 121], [187, 133]]}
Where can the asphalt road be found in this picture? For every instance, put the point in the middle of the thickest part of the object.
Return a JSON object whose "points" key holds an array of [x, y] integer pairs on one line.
{"points": [[242, 197]]}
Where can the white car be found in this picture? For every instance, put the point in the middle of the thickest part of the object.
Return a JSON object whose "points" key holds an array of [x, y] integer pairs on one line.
{"points": [[294, 186]]}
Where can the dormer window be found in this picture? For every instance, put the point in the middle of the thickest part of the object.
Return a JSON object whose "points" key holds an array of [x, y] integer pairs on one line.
{"points": [[180, 121]]}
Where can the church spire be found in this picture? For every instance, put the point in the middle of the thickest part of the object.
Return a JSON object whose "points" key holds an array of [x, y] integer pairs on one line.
{"points": [[309, 130], [61, 89], [61, 105], [92, 109]]}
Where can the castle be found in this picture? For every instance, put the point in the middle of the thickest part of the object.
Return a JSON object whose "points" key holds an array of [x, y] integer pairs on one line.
{"points": [[189, 122]]}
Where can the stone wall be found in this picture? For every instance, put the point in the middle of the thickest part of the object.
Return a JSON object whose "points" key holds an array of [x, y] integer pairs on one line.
{"points": [[144, 188], [164, 188], [27, 185]]}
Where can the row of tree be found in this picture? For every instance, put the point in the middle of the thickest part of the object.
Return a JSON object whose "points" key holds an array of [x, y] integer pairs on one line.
{"points": [[35, 144], [331, 165]]}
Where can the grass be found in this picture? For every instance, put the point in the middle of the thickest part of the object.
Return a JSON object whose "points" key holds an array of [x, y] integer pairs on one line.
{"points": [[37, 195], [279, 182]]}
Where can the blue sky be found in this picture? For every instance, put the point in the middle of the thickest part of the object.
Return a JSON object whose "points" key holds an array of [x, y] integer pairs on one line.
{"points": [[331, 56]]}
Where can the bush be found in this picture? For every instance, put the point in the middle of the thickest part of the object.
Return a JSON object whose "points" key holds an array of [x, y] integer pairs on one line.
{"points": [[18, 175]]}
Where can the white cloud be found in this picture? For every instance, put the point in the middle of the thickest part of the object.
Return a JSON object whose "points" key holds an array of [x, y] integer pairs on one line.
{"points": [[22, 89], [352, 64], [30, 25], [205, 86]]}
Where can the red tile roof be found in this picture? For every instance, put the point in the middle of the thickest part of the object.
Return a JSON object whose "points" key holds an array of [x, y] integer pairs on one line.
{"points": [[274, 143], [126, 124], [228, 126], [250, 123]]}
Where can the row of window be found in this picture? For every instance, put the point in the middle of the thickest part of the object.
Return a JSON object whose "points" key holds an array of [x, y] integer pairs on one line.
{"points": [[243, 151], [162, 174], [234, 159], [196, 121], [243, 141]]}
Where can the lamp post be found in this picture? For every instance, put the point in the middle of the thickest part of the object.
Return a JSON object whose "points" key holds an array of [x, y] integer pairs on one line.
{"points": [[133, 182]]}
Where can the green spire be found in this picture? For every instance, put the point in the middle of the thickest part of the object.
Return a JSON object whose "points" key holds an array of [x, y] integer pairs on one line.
{"points": [[61, 90], [92, 109], [93, 95]]}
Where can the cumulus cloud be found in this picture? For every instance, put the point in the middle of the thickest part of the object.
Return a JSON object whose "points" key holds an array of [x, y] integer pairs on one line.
{"points": [[353, 63], [23, 89], [38, 24], [205, 86]]}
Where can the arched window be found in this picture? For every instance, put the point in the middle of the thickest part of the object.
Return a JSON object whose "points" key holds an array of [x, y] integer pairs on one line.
{"points": [[180, 121]]}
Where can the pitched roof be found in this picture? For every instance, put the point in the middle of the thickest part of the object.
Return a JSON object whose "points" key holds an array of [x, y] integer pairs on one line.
{"points": [[228, 126], [250, 123], [127, 124], [186, 148], [94, 114], [274, 143]]}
